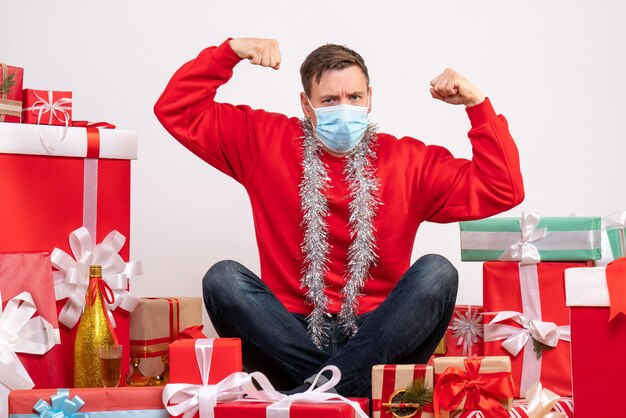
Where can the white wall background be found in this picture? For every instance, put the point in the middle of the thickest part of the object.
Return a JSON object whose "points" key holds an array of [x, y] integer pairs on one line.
{"points": [[556, 69]]}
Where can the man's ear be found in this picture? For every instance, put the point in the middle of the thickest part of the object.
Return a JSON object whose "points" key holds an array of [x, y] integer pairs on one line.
{"points": [[306, 106], [369, 101]]}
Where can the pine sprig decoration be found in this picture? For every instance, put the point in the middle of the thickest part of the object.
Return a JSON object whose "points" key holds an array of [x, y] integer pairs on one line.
{"points": [[417, 392], [415, 396], [539, 348], [7, 83]]}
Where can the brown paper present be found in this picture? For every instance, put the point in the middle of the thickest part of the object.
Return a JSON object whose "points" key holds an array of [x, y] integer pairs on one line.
{"points": [[154, 324]]}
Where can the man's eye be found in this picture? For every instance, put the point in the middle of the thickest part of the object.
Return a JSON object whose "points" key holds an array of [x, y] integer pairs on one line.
{"points": [[356, 97]]}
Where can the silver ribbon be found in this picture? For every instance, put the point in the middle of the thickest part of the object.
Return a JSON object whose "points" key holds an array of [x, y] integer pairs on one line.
{"points": [[467, 329]]}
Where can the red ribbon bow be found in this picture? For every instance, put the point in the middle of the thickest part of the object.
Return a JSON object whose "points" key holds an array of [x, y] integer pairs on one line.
{"points": [[480, 390], [105, 289], [616, 282], [191, 333]]}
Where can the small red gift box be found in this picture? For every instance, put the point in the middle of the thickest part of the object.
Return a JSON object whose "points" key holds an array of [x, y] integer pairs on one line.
{"points": [[197, 362], [534, 331], [47, 107], [389, 379], [49, 194], [237, 409], [11, 79], [142, 402], [225, 359], [464, 336], [598, 342]]}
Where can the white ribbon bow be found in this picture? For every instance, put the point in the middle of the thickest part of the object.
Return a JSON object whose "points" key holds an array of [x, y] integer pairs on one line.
{"points": [[282, 403], [20, 332], [541, 401], [187, 399], [515, 338], [72, 279], [614, 220], [523, 251], [58, 110]]}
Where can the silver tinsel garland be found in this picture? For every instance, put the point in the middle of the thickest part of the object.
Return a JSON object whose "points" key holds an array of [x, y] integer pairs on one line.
{"points": [[363, 184]]}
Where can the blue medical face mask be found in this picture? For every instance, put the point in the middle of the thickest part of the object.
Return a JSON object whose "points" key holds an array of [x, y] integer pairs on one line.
{"points": [[341, 127]]}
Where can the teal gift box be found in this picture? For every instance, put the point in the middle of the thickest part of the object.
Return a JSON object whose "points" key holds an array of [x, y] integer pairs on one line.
{"points": [[531, 239]]}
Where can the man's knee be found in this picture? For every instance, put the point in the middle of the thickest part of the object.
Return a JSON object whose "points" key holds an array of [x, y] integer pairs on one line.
{"points": [[443, 269], [221, 279], [435, 273]]}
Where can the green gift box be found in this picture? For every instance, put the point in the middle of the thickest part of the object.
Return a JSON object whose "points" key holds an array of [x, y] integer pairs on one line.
{"points": [[531, 239]]}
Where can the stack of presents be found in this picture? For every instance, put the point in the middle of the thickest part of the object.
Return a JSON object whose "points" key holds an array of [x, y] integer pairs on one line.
{"points": [[550, 329]]}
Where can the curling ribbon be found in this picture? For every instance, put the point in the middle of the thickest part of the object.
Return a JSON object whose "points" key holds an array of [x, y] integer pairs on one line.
{"points": [[61, 406], [20, 332], [189, 399], [72, 279], [281, 403], [480, 390], [540, 402], [616, 282], [523, 251], [56, 109]]}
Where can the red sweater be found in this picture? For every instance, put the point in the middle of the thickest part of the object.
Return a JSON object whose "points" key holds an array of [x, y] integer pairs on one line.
{"points": [[263, 152]]}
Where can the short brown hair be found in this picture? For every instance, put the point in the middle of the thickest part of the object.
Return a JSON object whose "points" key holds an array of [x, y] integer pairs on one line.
{"points": [[329, 57]]}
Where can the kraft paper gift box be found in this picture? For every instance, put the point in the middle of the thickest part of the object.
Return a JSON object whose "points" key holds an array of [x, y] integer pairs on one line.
{"points": [[133, 402], [51, 190], [157, 322], [390, 379], [526, 318], [47, 107], [594, 295], [11, 79], [241, 409], [492, 388], [551, 238], [464, 336]]}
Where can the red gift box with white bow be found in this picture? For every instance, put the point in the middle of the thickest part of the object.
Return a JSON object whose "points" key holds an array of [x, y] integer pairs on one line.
{"points": [[526, 319], [72, 188], [47, 107]]}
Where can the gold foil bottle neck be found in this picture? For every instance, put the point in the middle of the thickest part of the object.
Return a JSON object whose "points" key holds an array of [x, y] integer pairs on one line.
{"points": [[95, 271]]}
